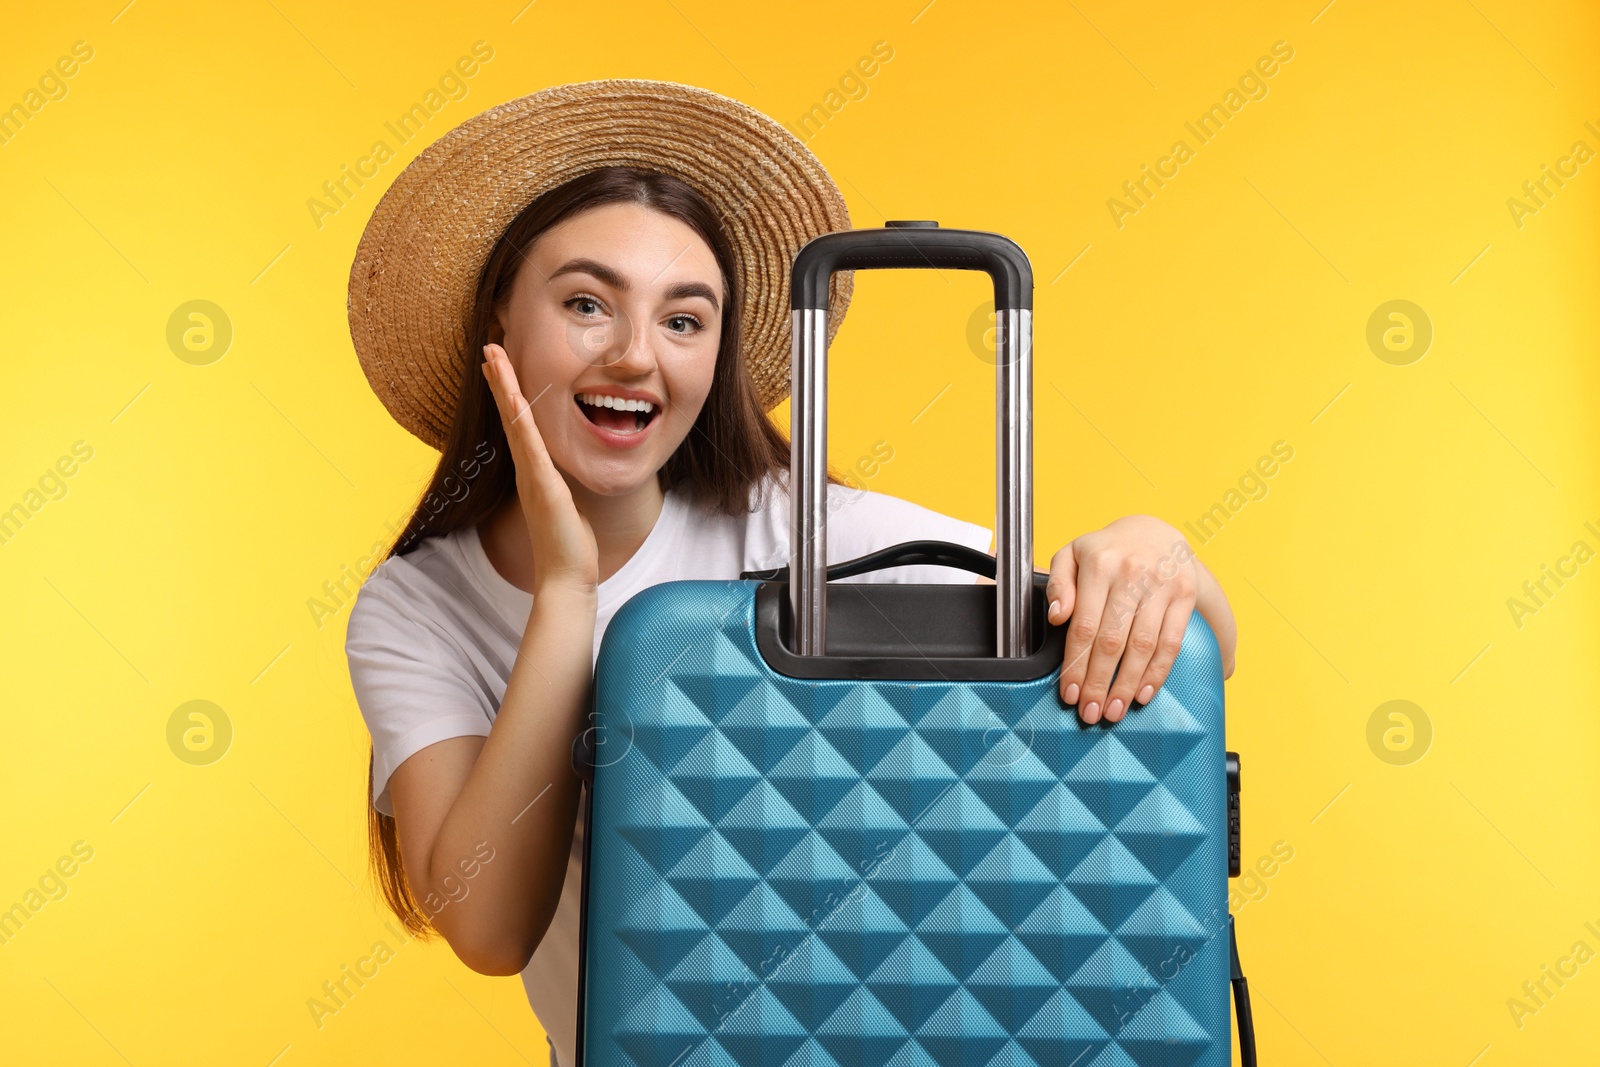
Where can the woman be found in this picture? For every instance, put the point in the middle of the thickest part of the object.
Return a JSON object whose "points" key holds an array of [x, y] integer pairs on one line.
{"points": [[580, 298]]}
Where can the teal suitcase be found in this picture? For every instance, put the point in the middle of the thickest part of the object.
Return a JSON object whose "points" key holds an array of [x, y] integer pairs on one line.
{"points": [[855, 826]]}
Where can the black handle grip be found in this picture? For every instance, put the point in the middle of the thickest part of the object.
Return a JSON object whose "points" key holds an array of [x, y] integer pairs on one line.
{"points": [[916, 246], [906, 554]]}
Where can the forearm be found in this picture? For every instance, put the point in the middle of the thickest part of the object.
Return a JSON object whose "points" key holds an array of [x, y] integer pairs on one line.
{"points": [[522, 794], [1212, 604]]}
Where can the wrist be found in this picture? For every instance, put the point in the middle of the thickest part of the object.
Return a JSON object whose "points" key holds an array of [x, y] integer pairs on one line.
{"points": [[570, 591], [1212, 604]]}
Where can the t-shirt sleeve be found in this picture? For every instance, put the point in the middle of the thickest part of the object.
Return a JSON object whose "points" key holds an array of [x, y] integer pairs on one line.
{"points": [[411, 682], [862, 521]]}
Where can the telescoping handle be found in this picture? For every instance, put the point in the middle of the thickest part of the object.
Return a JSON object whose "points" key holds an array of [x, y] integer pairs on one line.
{"points": [[912, 246]]}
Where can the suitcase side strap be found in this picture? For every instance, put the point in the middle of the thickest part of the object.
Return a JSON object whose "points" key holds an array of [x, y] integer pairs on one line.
{"points": [[1241, 1003]]}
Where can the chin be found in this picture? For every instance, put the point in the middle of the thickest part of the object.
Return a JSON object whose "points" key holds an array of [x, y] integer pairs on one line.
{"points": [[616, 479]]}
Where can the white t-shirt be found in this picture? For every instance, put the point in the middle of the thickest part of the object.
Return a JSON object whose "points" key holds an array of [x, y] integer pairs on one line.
{"points": [[433, 635]]}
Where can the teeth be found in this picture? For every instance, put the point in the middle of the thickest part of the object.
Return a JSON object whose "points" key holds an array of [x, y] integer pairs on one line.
{"points": [[600, 400]]}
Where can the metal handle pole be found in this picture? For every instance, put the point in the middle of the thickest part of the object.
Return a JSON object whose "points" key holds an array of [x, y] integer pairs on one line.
{"points": [[1013, 481], [912, 245], [808, 485]]}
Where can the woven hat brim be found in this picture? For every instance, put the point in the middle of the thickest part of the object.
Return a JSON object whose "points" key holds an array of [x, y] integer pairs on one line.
{"points": [[415, 273]]}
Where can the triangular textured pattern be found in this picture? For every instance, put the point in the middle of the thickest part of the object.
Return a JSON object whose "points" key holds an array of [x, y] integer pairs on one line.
{"points": [[1112, 986], [811, 1054], [661, 928], [863, 727], [712, 877], [961, 1031], [762, 925], [1013, 1055], [764, 727], [665, 826], [761, 1028], [1061, 1031], [1163, 1034], [861, 1030], [1012, 984], [810, 980], [1057, 738], [675, 726], [1160, 831], [861, 826], [1060, 830], [912, 983], [912, 879], [814, 879], [700, 978], [1010, 705], [1011, 780], [715, 674], [1109, 779], [958, 726], [961, 931], [1062, 933], [1112, 1056], [763, 826], [813, 776], [911, 776], [714, 775], [792, 872], [960, 827], [1161, 934], [1111, 882], [862, 931], [1011, 881], [1161, 734], [658, 1029]]}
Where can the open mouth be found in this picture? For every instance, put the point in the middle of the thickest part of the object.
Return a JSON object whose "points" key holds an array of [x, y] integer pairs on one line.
{"points": [[616, 414]]}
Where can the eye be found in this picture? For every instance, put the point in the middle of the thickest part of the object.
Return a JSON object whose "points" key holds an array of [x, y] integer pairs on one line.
{"points": [[580, 299], [697, 324]]}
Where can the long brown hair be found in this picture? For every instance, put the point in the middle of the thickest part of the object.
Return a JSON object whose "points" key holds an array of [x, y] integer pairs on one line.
{"points": [[729, 450]]}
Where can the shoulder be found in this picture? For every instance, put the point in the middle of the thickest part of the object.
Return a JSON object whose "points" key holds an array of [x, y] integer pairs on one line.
{"points": [[865, 520], [858, 521], [405, 596]]}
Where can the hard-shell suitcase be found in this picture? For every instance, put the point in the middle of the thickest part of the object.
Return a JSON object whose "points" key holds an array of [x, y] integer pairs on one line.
{"points": [[856, 826]]}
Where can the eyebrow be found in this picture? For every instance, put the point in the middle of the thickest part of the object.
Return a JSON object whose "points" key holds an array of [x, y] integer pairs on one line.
{"points": [[682, 290]]}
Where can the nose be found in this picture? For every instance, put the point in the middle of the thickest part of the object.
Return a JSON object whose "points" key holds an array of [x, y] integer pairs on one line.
{"points": [[624, 344]]}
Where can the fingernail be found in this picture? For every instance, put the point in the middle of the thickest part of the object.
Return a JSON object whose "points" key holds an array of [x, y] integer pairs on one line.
{"points": [[1092, 712], [1146, 693], [1114, 712], [1055, 605], [1072, 693]]}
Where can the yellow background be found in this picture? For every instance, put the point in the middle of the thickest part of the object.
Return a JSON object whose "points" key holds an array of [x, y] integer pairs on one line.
{"points": [[1229, 313]]}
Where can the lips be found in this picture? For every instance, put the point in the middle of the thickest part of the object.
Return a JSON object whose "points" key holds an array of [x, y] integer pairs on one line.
{"points": [[620, 421]]}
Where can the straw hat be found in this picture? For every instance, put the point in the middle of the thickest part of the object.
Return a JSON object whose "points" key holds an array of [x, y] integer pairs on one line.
{"points": [[416, 270]]}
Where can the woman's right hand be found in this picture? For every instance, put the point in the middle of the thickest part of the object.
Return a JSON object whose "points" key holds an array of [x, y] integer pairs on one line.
{"points": [[564, 549]]}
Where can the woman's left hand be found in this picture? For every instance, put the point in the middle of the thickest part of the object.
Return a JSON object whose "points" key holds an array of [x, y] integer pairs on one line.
{"points": [[1129, 590]]}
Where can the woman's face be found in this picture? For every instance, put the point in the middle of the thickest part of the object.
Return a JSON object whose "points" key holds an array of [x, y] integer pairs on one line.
{"points": [[619, 307]]}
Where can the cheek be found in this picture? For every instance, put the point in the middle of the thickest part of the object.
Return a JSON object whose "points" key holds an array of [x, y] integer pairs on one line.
{"points": [[543, 353], [691, 383], [688, 375], [543, 361], [542, 347], [545, 374]]}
